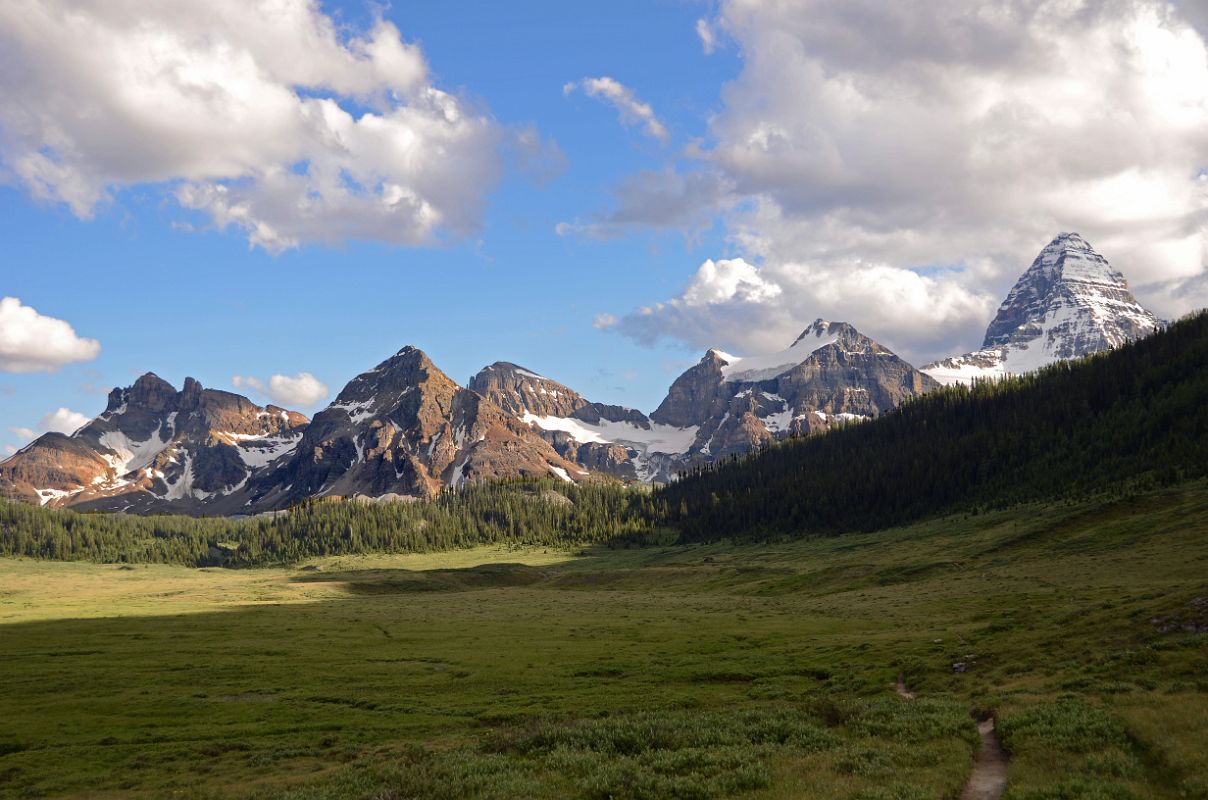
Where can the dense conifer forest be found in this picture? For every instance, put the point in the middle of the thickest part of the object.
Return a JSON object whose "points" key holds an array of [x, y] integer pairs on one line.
{"points": [[1116, 422]]}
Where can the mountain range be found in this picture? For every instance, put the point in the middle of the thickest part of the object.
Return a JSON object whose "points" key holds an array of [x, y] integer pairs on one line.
{"points": [[405, 429]]}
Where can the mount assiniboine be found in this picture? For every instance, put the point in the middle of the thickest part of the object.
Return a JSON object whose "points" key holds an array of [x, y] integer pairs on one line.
{"points": [[1069, 303], [405, 429]]}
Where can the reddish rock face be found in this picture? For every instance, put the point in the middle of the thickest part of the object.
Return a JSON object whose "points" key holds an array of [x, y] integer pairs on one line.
{"points": [[519, 391], [406, 428]]}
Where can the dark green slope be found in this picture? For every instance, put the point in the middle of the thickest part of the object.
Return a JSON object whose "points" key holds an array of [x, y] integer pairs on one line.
{"points": [[1130, 418]]}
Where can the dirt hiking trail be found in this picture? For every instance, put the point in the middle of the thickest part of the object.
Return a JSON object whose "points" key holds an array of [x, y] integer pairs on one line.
{"points": [[988, 780], [989, 777]]}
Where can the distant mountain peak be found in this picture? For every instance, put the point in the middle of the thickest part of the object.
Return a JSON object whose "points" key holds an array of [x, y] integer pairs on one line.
{"points": [[818, 335], [820, 329], [1070, 302]]}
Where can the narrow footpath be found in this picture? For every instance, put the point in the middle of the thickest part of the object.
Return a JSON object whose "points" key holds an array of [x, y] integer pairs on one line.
{"points": [[989, 777], [988, 780]]}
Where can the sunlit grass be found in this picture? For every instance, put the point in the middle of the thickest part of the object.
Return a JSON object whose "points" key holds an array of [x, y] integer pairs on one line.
{"points": [[708, 671]]}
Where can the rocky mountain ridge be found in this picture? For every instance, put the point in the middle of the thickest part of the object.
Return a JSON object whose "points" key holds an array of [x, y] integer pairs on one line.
{"points": [[724, 405], [153, 447], [405, 429]]}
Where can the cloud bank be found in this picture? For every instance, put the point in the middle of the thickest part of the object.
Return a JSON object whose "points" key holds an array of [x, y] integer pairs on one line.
{"points": [[300, 391], [262, 115], [899, 165], [31, 342]]}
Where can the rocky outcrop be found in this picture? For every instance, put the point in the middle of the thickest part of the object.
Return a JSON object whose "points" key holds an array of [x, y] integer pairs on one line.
{"points": [[1069, 303], [609, 439], [519, 391], [696, 395]]}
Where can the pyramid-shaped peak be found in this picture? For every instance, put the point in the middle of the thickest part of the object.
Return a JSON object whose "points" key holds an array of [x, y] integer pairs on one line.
{"points": [[1070, 279], [409, 357], [822, 329], [1069, 257]]}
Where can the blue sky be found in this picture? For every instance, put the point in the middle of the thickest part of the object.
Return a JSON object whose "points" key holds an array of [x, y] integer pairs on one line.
{"points": [[180, 303], [803, 173]]}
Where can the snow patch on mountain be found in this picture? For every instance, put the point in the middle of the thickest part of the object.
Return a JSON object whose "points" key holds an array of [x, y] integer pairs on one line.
{"points": [[656, 439], [263, 451], [127, 455]]}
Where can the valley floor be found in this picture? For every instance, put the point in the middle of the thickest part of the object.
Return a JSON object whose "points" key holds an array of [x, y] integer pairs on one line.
{"points": [[764, 671]]}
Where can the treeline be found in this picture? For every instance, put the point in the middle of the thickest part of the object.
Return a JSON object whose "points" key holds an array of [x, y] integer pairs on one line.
{"points": [[1133, 417], [525, 512]]}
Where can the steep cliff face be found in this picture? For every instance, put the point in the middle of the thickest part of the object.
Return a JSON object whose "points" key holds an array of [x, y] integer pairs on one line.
{"points": [[1070, 302], [154, 448], [697, 395]]}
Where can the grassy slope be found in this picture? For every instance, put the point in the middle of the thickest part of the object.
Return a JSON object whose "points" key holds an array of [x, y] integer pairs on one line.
{"points": [[698, 671]]}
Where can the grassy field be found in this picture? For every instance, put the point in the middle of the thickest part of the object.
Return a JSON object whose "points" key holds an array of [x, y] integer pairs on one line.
{"points": [[764, 671]]}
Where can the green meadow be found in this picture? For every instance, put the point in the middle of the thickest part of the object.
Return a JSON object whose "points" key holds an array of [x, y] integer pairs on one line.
{"points": [[760, 670]]}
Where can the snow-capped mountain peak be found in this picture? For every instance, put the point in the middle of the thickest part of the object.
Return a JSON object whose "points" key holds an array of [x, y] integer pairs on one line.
{"points": [[767, 366], [1070, 302]]}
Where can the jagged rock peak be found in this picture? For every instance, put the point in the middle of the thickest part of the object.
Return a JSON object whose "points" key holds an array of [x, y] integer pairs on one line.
{"points": [[818, 335], [409, 367], [155, 448], [521, 391], [150, 392]]}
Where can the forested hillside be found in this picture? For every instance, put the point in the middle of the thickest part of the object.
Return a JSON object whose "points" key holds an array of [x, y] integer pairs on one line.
{"points": [[1135, 416]]}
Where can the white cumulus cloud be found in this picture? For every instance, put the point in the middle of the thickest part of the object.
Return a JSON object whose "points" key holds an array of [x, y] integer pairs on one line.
{"points": [[61, 420], [31, 342], [749, 309], [899, 165], [261, 114], [632, 111], [299, 391]]}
